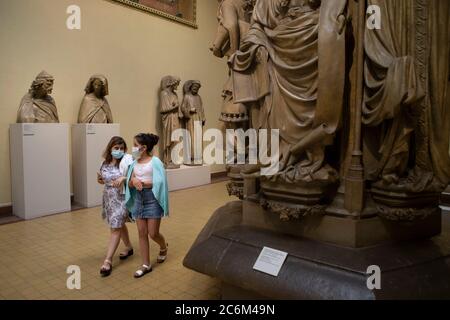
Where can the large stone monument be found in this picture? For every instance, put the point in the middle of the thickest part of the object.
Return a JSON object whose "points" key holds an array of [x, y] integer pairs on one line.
{"points": [[364, 137]]}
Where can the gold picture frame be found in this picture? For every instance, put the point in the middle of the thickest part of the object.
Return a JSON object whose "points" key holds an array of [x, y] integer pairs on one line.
{"points": [[190, 19]]}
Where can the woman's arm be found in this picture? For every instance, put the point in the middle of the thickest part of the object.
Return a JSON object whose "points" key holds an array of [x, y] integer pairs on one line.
{"points": [[135, 183]]}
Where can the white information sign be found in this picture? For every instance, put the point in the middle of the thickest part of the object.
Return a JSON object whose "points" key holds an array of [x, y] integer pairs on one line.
{"points": [[270, 261]]}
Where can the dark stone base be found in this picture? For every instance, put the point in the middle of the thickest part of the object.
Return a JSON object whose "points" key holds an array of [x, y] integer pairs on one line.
{"points": [[445, 197], [226, 249]]}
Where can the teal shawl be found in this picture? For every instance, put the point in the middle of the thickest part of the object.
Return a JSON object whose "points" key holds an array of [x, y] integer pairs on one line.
{"points": [[160, 187]]}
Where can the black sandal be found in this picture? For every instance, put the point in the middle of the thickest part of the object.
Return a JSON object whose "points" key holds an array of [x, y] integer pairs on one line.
{"points": [[143, 271], [106, 272], [124, 256]]}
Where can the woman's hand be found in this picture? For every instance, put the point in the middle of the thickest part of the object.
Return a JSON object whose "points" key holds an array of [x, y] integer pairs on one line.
{"points": [[118, 182], [100, 179], [137, 184]]}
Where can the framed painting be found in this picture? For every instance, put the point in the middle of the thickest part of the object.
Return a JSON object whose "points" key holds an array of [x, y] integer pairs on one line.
{"points": [[182, 11]]}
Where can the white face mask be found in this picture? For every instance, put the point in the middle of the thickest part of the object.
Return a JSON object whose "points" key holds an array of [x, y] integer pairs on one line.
{"points": [[136, 153]]}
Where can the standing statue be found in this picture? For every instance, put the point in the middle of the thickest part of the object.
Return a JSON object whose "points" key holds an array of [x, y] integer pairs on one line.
{"points": [[37, 106], [234, 18], [194, 115], [94, 107], [234, 22], [291, 64], [171, 116]]}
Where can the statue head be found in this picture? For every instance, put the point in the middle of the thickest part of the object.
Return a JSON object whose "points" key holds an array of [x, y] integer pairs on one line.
{"points": [[192, 86], [97, 84], [42, 85], [170, 82]]}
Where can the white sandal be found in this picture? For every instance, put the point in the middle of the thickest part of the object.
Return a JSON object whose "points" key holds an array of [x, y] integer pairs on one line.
{"points": [[163, 254], [143, 271]]}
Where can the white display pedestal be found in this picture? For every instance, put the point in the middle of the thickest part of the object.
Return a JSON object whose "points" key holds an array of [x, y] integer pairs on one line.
{"points": [[89, 141], [188, 177], [40, 171]]}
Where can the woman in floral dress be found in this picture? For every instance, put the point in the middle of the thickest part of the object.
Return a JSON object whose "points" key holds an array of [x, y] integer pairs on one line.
{"points": [[114, 210]]}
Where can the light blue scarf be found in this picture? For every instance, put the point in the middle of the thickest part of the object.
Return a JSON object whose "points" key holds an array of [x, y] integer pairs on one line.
{"points": [[160, 187]]}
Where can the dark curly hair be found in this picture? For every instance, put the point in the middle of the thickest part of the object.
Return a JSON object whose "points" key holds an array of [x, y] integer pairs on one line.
{"points": [[147, 139]]}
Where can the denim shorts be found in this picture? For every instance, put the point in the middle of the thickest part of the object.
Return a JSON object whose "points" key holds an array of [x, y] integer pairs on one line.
{"points": [[146, 206]]}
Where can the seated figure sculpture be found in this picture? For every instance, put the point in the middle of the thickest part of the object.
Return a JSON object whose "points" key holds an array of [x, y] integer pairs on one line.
{"points": [[285, 64]]}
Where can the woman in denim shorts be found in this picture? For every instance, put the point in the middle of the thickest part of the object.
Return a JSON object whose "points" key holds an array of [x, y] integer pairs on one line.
{"points": [[147, 177]]}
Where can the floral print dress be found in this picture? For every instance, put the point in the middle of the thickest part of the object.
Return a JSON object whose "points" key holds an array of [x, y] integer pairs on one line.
{"points": [[114, 210]]}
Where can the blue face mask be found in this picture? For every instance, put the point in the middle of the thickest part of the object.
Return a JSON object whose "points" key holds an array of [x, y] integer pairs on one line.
{"points": [[117, 154], [136, 153]]}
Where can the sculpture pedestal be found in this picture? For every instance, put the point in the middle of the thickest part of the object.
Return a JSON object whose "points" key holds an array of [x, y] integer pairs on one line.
{"points": [[88, 144], [227, 249], [40, 171], [445, 197], [188, 177]]}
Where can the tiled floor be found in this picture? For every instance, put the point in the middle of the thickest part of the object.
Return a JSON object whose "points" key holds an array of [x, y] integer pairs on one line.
{"points": [[34, 255]]}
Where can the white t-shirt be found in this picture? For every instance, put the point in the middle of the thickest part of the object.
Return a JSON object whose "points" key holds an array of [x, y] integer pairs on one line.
{"points": [[144, 171]]}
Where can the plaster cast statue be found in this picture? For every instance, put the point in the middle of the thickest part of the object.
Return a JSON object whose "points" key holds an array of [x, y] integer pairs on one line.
{"points": [[37, 106], [291, 67], [94, 107], [171, 115], [405, 110], [234, 22], [194, 115]]}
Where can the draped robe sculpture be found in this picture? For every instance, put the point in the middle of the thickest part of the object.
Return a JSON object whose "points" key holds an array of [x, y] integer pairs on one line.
{"points": [[234, 23], [171, 114], [37, 106], [194, 115], [95, 107], [406, 86], [292, 63]]}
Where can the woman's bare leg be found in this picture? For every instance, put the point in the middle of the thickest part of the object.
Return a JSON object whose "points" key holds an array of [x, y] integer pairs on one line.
{"points": [[144, 245], [126, 238], [153, 231], [114, 241]]}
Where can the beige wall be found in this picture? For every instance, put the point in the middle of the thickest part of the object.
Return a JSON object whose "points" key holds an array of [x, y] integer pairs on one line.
{"points": [[133, 49]]}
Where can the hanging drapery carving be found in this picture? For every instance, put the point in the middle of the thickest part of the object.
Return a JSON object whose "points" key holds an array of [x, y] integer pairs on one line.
{"points": [[405, 110]]}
